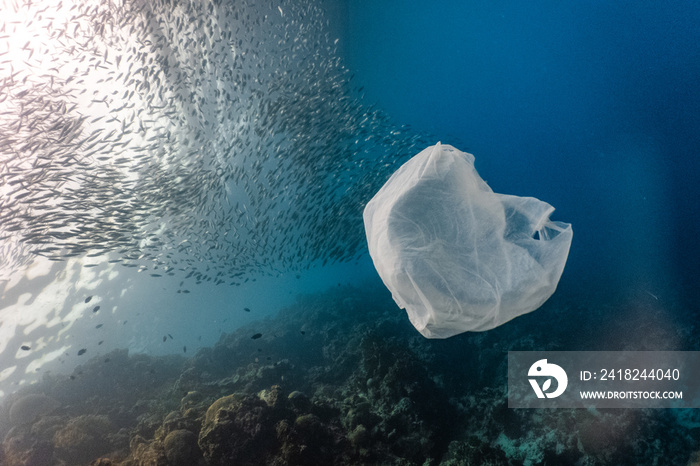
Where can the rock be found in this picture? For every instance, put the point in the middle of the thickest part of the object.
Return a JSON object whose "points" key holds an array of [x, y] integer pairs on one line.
{"points": [[29, 408], [238, 430], [181, 448], [273, 397], [150, 453], [179, 421], [473, 451], [83, 439], [298, 401], [359, 438], [102, 462], [308, 423], [20, 448], [311, 440], [191, 399]]}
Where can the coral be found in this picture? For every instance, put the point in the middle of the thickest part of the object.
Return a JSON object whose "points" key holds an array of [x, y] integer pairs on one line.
{"points": [[355, 386], [20, 448], [298, 401], [359, 438], [145, 452], [29, 408], [181, 448], [474, 451], [273, 397], [270, 429], [102, 462], [83, 439], [237, 430]]}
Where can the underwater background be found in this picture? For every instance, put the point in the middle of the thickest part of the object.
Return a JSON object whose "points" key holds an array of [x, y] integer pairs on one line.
{"points": [[184, 276]]}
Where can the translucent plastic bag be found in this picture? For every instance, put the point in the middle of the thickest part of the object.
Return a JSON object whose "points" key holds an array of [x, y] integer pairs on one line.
{"points": [[457, 256]]}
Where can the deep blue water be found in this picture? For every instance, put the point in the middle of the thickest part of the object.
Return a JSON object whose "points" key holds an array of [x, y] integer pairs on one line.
{"points": [[593, 107]]}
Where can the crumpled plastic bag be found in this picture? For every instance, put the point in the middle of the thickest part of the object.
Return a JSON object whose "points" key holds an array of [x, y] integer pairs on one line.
{"points": [[457, 256]]}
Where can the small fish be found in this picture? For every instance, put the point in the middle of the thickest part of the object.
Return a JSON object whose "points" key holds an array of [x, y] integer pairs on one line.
{"points": [[273, 123], [246, 309], [100, 342], [96, 308], [106, 359], [99, 325], [165, 338], [25, 347], [82, 351], [171, 337], [72, 377], [184, 349], [87, 300], [303, 332], [256, 336]]}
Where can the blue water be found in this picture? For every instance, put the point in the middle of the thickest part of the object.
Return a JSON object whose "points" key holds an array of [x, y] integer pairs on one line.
{"points": [[590, 106], [593, 107]]}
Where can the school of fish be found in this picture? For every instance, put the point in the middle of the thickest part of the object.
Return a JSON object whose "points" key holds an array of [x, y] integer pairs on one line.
{"points": [[211, 139]]}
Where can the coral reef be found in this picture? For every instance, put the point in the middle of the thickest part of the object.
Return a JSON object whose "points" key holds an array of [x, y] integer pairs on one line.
{"points": [[340, 378]]}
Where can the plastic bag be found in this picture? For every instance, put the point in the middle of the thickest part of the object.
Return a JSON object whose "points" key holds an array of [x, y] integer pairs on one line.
{"points": [[457, 256]]}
